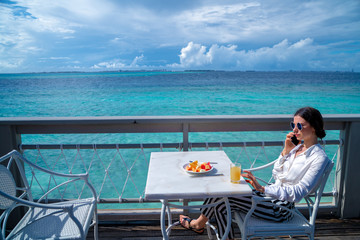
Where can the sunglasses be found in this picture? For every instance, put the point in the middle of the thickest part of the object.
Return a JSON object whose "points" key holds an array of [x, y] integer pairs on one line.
{"points": [[298, 125]]}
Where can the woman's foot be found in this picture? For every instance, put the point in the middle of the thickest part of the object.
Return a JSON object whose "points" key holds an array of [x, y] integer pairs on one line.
{"points": [[192, 224]]}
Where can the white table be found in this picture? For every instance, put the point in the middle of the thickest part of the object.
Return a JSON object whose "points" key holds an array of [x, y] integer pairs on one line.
{"points": [[167, 180]]}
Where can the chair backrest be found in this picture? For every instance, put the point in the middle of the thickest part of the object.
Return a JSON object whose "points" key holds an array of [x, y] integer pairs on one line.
{"points": [[7, 186], [319, 190], [15, 161]]}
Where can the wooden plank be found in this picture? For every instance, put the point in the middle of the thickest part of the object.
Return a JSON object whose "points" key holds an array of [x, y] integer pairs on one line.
{"points": [[326, 228]]}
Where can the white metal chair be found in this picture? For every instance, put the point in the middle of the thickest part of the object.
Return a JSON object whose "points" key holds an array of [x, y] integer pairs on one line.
{"points": [[61, 220], [251, 226]]}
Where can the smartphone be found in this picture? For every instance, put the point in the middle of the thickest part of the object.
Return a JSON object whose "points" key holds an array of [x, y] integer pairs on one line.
{"points": [[294, 140]]}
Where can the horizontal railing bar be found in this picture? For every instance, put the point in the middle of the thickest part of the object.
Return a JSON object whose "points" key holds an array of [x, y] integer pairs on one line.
{"points": [[113, 200], [326, 194], [100, 146], [164, 119], [252, 144], [117, 200], [138, 200], [163, 145], [163, 124]]}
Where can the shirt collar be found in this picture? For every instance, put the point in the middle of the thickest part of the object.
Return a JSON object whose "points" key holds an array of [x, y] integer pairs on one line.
{"points": [[309, 151], [312, 149]]}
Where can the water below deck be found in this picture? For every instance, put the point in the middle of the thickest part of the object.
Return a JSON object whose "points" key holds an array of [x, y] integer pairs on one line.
{"points": [[326, 228]]}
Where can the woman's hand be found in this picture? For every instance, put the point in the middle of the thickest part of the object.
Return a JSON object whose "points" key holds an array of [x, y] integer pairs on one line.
{"points": [[288, 144], [252, 181]]}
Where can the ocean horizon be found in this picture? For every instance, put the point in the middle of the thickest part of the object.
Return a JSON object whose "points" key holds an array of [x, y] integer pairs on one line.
{"points": [[185, 70]]}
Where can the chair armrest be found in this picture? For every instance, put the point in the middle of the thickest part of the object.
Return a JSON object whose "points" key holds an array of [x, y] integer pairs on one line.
{"points": [[261, 167], [258, 199], [28, 203], [87, 183], [263, 181]]}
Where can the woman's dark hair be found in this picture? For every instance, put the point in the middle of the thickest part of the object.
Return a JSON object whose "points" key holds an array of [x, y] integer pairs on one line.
{"points": [[314, 118]]}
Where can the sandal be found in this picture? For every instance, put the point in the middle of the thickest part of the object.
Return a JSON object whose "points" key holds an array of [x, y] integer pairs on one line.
{"points": [[198, 231]]}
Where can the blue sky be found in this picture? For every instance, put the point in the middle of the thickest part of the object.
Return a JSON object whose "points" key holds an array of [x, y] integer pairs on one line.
{"points": [[107, 35]]}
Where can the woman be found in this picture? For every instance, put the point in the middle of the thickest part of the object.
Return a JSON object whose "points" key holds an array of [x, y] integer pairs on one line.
{"points": [[296, 173]]}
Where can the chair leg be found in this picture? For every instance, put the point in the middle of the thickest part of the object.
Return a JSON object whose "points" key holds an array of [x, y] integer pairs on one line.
{"points": [[96, 232], [208, 229], [96, 226], [311, 237]]}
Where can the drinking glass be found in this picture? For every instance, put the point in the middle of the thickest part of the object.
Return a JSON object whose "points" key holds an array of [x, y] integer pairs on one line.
{"points": [[235, 172]]}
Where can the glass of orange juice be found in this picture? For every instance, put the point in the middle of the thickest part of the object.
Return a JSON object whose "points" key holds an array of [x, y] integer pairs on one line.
{"points": [[235, 172]]}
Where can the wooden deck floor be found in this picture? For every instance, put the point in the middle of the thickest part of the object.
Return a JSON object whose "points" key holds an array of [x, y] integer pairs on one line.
{"points": [[329, 228]]}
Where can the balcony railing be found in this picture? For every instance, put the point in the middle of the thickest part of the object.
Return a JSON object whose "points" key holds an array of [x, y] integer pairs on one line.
{"points": [[344, 135]]}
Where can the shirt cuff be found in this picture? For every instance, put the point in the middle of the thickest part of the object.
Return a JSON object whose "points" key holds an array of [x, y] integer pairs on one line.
{"points": [[266, 191], [271, 191]]}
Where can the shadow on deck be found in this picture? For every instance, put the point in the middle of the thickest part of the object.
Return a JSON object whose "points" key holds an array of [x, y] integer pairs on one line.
{"points": [[326, 228]]}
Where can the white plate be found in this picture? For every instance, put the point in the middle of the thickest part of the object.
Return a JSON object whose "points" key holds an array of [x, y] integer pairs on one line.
{"points": [[191, 172]]}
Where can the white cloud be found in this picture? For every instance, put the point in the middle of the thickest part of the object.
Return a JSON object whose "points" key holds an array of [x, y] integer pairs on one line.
{"points": [[109, 65], [283, 55], [50, 24], [220, 23], [119, 64], [56, 58], [137, 60], [10, 65], [194, 55], [215, 14]]}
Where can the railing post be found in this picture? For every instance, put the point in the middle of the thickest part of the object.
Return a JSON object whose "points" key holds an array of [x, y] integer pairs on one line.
{"points": [[349, 190], [185, 137], [9, 139]]}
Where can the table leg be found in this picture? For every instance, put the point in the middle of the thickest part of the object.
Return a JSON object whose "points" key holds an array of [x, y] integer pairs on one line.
{"points": [[170, 223], [162, 219]]}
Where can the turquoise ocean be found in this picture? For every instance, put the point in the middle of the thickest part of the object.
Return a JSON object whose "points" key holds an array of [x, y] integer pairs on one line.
{"points": [[177, 93], [163, 94]]}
